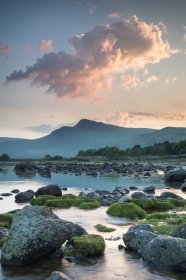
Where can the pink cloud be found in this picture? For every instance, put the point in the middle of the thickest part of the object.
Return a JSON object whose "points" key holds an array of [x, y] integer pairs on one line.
{"points": [[98, 56], [5, 50], [46, 45], [115, 15]]}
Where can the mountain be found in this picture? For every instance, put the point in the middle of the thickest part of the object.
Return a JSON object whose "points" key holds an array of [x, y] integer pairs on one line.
{"points": [[86, 134]]}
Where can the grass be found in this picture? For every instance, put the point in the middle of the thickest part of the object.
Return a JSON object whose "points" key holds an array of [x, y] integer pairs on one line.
{"points": [[103, 228], [128, 210], [165, 223]]}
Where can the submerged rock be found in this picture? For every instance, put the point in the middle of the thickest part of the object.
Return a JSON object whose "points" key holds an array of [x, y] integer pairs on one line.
{"points": [[167, 252], [25, 169], [36, 232]]}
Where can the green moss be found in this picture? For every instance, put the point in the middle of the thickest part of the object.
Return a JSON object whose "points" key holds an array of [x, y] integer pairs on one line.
{"points": [[60, 203], [40, 200], [6, 220], [2, 241], [103, 228], [90, 205], [177, 202], [165, 223], [129, 210], [163, 205], [89, 245], [145, 203]]}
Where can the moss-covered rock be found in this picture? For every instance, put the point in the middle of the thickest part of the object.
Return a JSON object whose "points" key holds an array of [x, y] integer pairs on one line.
{"points": [[6, 220], [59, 203], [145, 203], [90, 205], [129, 210], [163, 205], [177, 202], [88, 246], [40, 200], [103, 228]]}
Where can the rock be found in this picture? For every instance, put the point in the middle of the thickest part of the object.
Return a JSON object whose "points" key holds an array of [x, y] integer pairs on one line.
{"points": [[49, 190], [165, 195], [120, 247], [64, 189], [132, 188], [92, 195], [90, 245], [44, 172], [167, 252], [149, 189], [23, 197], [102, 192], [106, 201], [176, 175], [138, 195], [27, 169], [146, 174], [183, 187], [1, 198], [180, 232], [36, 232], [125, 198], [128, 210], [3, 233], [121, 190], [6, 194], [137, 240], [145, 227], [57, 275], [15, 191]]}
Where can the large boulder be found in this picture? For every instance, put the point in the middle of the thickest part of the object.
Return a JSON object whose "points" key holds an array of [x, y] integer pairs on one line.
{"points": [[49, 190], [23, 197], [25, 169], [176, 175], [180, 232], [138, 195], [149, 189], [166, 252], [138, 237], [183, 187], [166, 195], [36, 232]]}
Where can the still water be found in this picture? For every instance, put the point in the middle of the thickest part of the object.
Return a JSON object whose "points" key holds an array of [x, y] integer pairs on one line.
{"points": [[115, 264]]}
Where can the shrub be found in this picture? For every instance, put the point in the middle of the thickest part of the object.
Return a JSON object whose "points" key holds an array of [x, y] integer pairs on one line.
{"points": [[129, 210], [103, 228], [89, 245]]}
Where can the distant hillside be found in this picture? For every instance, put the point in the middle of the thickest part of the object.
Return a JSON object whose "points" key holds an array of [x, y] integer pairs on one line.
{"points": [[5, 139], [86, 134]]}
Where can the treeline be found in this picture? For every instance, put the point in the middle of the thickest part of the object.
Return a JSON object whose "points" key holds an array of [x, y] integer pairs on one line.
{"points": [[4, 157], [160, 149]]}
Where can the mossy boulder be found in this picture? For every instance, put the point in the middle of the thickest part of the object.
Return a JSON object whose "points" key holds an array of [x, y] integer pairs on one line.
{"points": [[128, 210], [163, 205], [103, 228], [145, 203], [59, 203], [40, 200], [90, 245], [90, 205]]}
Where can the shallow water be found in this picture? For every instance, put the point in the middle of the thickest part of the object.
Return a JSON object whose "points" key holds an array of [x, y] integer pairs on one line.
{"points": [[114, 264]]}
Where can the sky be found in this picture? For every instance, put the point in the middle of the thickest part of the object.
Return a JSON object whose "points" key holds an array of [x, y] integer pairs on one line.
{"points": [[122, 62]]}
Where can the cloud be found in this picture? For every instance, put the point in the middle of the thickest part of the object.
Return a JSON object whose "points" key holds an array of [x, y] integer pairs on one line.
{"points": [[98, 56], [46, 45], [42, 128], [115, 15], [136, 80], [171, 80], [132, 118], [5, 50], [47, 128], [92, 9], [184, 30]]}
